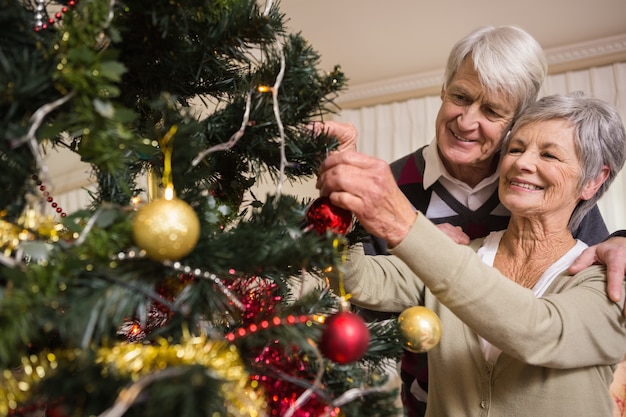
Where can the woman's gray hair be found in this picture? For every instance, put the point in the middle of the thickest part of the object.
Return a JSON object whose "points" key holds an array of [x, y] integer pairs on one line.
{"points": [[599, 138], [507, 59]]}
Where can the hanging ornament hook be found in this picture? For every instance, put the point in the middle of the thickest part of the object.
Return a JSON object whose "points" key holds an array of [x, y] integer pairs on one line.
{"points": [[167, 146]]}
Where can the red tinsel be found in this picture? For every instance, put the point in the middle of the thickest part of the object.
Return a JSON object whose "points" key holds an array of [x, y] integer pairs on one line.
{"points": [[260, 296], [282, 394]]}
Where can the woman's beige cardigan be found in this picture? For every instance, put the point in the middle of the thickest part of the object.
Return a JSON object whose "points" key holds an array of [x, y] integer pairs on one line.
{"points": [[559, 351]]}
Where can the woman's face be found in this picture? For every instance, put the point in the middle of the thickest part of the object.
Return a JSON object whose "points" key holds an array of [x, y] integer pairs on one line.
{"points": [[471, 123], [540, 171]]}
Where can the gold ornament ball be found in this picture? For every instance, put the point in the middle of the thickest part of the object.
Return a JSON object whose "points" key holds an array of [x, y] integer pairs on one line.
{"points": [[420, 328], [166, 229]]}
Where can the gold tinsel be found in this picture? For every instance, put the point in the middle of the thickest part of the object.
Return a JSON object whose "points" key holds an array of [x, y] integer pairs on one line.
{"points": [[137, 361], [30, 226], [15, 384], [220, 357], [10, 237]]}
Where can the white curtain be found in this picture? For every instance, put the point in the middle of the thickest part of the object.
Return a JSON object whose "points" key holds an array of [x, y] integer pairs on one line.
{"points": [[389, 131]]}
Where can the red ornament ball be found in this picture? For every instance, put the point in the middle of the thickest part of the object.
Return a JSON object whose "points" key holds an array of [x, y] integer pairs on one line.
{"points": [[345, 338], [323, 215]]}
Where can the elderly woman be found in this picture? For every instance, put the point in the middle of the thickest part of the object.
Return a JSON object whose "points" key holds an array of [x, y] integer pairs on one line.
{"points": [[521, 337]]}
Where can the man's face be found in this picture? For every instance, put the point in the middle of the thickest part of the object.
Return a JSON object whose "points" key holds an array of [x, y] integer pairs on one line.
{"points": [[471, 124]]}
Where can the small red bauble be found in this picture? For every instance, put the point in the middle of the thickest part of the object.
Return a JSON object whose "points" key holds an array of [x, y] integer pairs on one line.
{"points": [[322, 215], [345, 338]]}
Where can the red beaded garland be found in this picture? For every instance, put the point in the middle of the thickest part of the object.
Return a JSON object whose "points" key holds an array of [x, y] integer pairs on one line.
{"points": [[41, 24], [275, 321], [49, 198]]}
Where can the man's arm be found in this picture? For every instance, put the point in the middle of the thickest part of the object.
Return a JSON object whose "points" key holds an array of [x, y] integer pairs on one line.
{"points": [[609, 251]]}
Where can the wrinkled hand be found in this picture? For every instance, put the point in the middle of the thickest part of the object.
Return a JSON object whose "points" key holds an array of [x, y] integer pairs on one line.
{"points": [[366, 186], [455, 233], [345, 133], [611, 253]]}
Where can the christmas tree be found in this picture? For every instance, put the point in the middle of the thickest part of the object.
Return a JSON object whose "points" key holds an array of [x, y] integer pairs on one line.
{"points": [[185, 304]]}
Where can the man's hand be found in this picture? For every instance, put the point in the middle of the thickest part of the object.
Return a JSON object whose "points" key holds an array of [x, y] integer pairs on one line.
{"points": [[611, 253], [455, 233], [345, 133]]}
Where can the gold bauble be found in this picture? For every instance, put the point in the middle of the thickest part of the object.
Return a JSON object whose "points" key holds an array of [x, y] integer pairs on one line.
{"points": [[420, 328], [167, 229]]}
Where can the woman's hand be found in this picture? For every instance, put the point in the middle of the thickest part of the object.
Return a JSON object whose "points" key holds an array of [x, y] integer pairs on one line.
{"points": [[366, 186]]}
